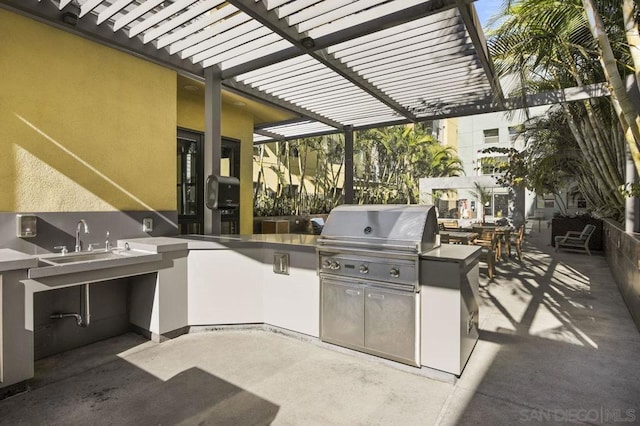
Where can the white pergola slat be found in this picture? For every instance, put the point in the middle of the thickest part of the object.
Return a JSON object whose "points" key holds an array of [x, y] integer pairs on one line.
{"points": [[340, 63], [113, 9]]}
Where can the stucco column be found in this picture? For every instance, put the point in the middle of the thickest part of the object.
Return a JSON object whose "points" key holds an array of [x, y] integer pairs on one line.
{"points": [[348, 165], [212, 140]]}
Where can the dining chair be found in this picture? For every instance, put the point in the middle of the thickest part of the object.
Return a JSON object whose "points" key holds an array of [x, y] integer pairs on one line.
{"points": [[517, 238], [488, 234], [489, 242]]}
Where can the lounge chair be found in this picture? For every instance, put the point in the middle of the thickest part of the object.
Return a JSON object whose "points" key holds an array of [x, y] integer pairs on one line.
{"points": [[573, 240], [317, 224]]}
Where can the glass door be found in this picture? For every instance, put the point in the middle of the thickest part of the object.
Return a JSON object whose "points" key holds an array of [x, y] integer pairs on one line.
{"points": [[190, 180]]}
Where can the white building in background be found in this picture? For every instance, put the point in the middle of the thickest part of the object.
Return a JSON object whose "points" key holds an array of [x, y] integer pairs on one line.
{"points": [[458, 197]]}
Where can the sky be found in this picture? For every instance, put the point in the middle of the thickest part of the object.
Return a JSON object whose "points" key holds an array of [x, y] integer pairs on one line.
{"points": [[486, 8]]}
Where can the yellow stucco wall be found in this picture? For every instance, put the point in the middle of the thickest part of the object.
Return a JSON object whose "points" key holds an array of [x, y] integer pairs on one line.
{"points": [[236, 124], [83, 127]]}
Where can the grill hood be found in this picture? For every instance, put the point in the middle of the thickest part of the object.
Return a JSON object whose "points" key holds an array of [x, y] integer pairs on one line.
{"points": [[391, 226]]}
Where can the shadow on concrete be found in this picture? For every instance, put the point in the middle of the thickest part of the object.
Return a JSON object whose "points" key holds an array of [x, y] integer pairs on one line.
{"points": [[557, 344], [120, 393]]}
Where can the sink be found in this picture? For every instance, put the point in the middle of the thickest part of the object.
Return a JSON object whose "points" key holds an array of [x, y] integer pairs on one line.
{"points": [[88, 261], [63, 259]]}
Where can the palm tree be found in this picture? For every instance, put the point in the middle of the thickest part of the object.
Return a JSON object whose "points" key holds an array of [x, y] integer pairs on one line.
{"points": [[395, 158], [550, 46]]}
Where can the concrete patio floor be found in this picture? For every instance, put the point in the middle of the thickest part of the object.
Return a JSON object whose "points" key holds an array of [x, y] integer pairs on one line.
{"points": [[557, 344]]}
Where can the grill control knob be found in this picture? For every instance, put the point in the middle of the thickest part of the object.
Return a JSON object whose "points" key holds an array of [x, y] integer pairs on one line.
{"points": [[335, 265], [326, 264], [394, 272], [364, 269]]}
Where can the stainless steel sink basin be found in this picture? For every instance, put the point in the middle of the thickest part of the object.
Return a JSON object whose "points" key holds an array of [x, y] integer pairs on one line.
{"points": [[64, 259], [52, 265]]}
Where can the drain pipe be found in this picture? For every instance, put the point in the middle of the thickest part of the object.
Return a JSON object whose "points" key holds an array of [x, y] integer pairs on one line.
{"points": [[84, 309]]}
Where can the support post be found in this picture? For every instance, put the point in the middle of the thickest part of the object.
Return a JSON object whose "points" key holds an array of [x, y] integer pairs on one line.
{"points": [[212, 140], [348, 165]]}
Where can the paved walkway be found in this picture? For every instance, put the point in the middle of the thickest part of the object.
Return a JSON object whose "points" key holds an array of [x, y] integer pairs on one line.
{"points": [[557, 345]]}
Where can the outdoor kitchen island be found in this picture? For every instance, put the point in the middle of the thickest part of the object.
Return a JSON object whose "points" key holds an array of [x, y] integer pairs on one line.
{"points": [[269, 281], [273, 280]]}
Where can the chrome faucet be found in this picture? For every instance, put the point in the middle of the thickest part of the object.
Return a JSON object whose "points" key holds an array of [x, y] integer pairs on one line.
{"points": [[86, 231]]}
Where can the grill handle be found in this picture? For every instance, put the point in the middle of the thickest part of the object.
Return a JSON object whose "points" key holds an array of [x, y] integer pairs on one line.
{"points": [[367, 244]]}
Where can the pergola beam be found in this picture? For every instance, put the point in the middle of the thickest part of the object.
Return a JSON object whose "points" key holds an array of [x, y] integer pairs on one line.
{"points": [[391, 20], [270, 20], [571, 94], [479, 43]]}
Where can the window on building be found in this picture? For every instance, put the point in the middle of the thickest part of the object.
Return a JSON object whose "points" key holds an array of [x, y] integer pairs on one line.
{"points": [[577, 201], [500, 205], [258, 149], [546, 201], [290, 190], [491, 136], [490, 165]]}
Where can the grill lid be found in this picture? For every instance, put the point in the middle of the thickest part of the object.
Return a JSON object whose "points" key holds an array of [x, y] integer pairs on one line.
{"points": [[391, 226]]}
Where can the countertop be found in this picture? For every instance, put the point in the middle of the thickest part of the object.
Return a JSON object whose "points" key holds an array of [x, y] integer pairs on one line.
{"points": [[11, 260], [203, 242], [456, 252]]}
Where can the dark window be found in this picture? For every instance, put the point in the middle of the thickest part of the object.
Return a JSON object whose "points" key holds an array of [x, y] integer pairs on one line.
{"points": [[491, 136]]}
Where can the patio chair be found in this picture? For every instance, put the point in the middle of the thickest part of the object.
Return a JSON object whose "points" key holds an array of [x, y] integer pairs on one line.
{"points": [[486, 233], [573, 240], [450, 225], [489, 242], [517, 238]]}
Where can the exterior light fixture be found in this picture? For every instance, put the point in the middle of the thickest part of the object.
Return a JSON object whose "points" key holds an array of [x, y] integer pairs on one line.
{"points": [[308, 43], [70, 18]]}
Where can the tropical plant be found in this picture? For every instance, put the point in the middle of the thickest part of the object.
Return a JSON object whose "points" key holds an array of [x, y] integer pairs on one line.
{"points": [[393, 159], [549, 45], [389, 163]]}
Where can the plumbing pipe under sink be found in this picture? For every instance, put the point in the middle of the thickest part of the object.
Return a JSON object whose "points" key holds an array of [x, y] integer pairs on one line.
{"points": [[84, 318]]}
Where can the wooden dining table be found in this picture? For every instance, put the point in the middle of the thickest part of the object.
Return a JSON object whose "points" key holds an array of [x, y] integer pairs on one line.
{"points": [[459, 237]]}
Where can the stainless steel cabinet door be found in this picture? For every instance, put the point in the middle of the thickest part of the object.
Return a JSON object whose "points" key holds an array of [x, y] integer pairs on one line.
{"points": [[342, 314], [390, 324]]}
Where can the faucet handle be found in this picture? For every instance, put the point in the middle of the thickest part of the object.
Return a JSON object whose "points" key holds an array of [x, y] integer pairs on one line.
{"points": [[107, 243], [63, 249]]}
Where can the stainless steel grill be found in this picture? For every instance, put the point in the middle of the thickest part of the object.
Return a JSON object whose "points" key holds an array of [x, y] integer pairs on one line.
{"points": [[369, 277]]}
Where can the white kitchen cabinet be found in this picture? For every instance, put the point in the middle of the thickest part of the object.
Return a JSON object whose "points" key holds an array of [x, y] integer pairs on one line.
{"points": [[292, 301], [225, 286]]}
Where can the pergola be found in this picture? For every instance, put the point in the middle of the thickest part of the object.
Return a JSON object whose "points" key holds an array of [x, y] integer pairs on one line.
{"points": [[336, 64]]}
